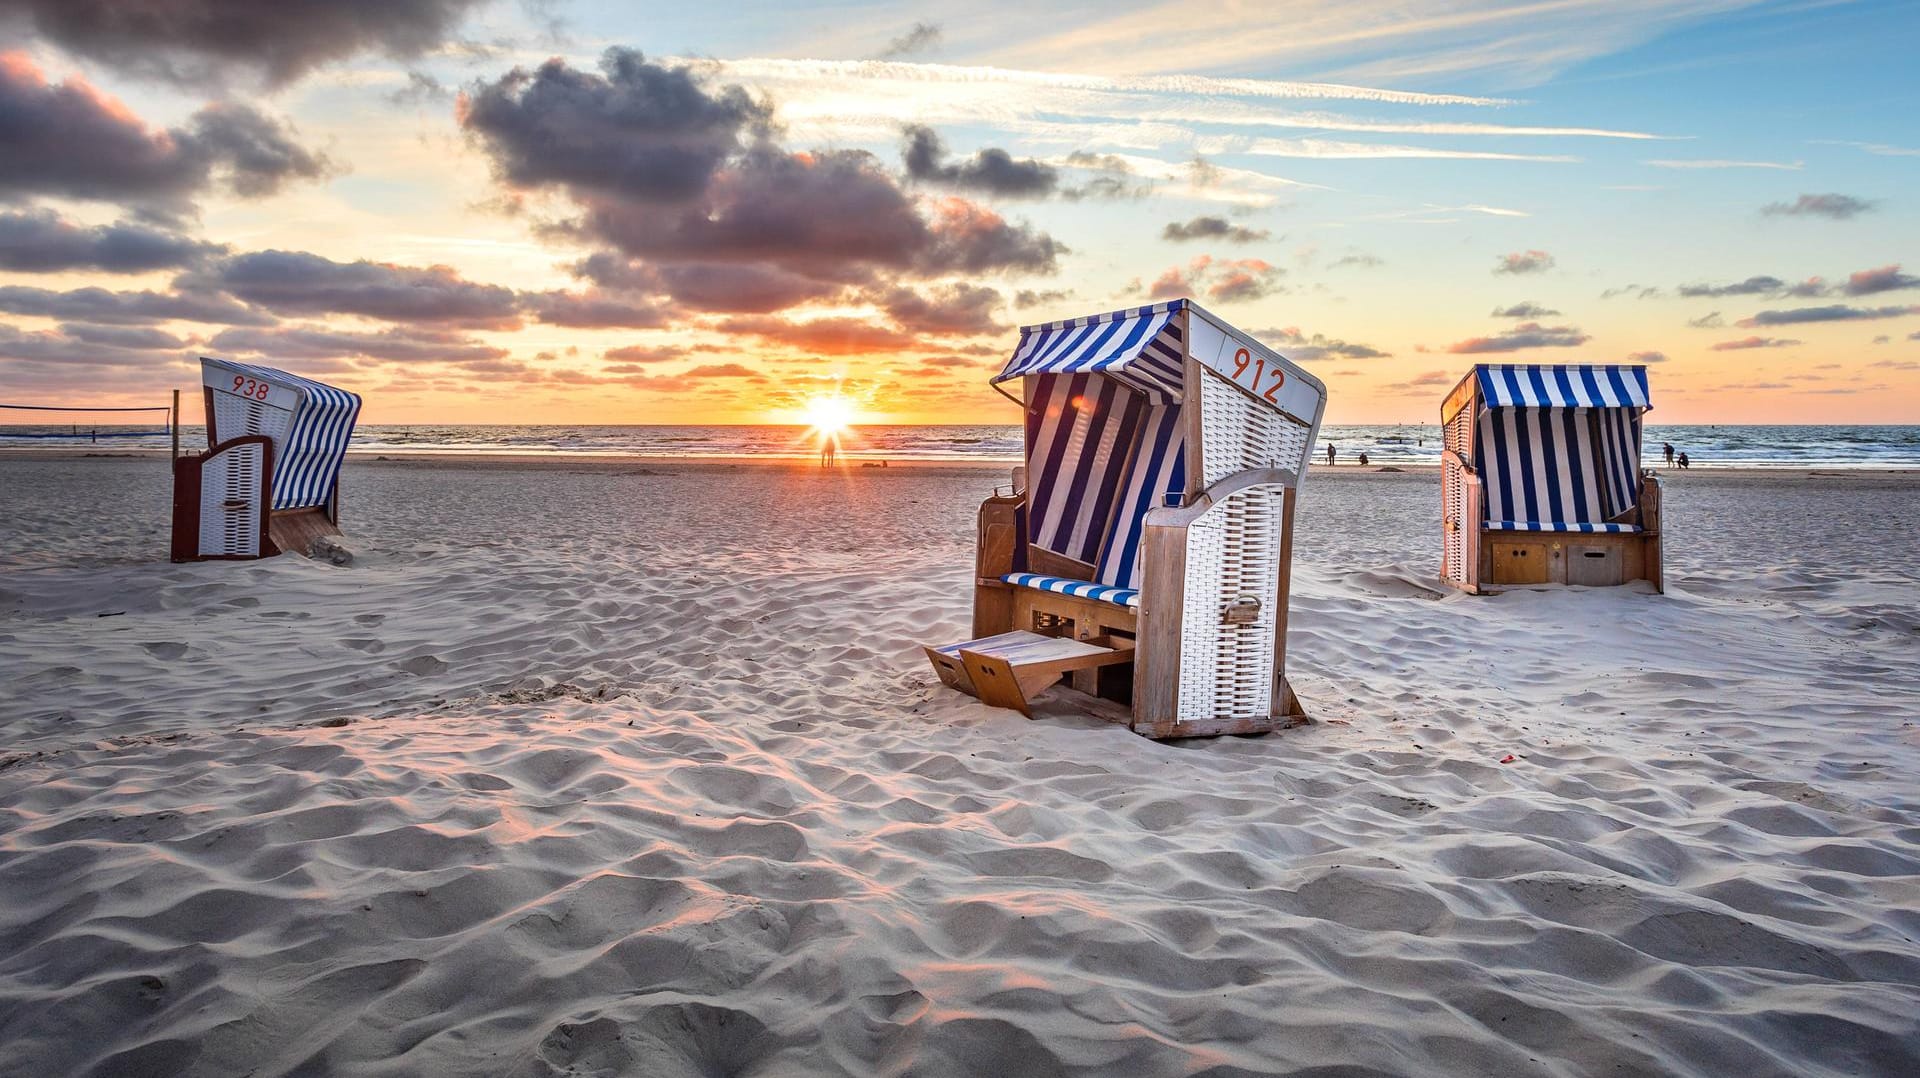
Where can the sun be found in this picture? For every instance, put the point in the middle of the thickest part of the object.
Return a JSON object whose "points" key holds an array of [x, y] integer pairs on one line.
{"points": [[828, 415]]}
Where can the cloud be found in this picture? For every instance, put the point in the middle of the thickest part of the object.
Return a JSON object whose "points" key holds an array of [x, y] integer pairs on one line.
{"points": [[958, 308], [1710, 320], [1029, 297], [920, 37], [421, 89], [739, 289], [190, 41], [1113, 178], [77, 357], [402, 344], [637, 131], [296, 282], [41, 241], [642, 353], [1421, 383], [1637, 291], [1212, 228], [1836, 207], [1884, 279], [1646, 357], [1524, 262], [1757, 286], [669, 172], [1524, 309], [991, 171], [1301, 348], [1521, 338], [129, 308], [1223, 280], [1745, 343], [1715, 164], [1358, 261], [69, 140], [596, 309], [825, 336], [1834, 313]]}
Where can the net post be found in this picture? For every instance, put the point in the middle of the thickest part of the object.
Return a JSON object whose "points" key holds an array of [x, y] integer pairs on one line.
{"points": [[173, 424]]}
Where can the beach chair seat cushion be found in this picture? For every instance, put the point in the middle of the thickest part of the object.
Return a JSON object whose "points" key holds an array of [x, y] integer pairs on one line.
{"points": [[1556, 526], [1079, 589]]}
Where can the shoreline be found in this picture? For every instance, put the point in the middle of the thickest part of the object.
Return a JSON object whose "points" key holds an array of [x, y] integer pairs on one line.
{"points": [[861, 465]]}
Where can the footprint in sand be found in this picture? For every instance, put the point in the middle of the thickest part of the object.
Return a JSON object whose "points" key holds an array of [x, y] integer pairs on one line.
{"points": [[424, 664], [369, 619], [168, 650]]}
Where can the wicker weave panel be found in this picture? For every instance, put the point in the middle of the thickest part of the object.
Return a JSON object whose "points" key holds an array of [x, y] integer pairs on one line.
{"points": [[236, 416], [230, 501], [1239, 433], [1458, 434], [1233, 554], [1453, 494]]}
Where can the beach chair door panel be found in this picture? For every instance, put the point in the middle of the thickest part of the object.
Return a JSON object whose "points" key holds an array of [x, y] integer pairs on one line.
{"points": [[1519, 563]]}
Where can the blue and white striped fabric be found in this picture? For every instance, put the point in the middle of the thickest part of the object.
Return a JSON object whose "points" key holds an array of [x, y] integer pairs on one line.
{"points": [[1556, 526], [307, 463], [1540, 464], [1620, 463], [1513, 385], [1080, 589], [1080, 433], [1140, 347], [1158, 468]]}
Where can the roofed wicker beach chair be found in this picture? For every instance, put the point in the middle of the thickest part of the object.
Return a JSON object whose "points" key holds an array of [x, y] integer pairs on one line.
{"points": [[1143, 551], [1540, 478], [270, 478]]}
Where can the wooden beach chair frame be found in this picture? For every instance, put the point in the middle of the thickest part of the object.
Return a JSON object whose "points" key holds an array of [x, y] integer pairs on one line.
{"points": [[1540, 479], [1169, 554], [270, 479]]}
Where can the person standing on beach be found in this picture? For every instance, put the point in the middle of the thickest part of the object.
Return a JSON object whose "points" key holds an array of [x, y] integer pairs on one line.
{"points": [[1330, 454], [1668, 446]]}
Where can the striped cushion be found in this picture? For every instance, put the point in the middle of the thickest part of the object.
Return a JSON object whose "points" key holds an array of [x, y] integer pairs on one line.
{"points": [[1079, 589], [1556, 526]]}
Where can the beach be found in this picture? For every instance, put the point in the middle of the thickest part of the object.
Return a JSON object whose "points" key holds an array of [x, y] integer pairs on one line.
{"points": [[631, 766]]}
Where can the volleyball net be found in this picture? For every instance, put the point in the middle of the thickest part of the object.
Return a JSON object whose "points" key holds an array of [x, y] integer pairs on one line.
{"points": [[23, 424]]}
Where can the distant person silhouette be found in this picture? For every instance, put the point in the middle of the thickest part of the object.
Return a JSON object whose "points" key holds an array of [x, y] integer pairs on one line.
{"points": [[827, 453], [1684, 462], [1668, 446], [1363, 458], [1330, 454]]}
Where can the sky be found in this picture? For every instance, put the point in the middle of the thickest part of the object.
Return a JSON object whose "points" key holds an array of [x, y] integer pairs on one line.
{"points": [[562, 211]]}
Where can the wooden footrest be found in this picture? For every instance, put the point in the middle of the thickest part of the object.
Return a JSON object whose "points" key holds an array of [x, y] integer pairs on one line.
{"points": [[1010, 669]]}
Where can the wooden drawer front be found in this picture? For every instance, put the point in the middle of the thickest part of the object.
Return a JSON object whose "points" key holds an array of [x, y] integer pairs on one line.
{"points": [[1595, 566], [1519, 563]]}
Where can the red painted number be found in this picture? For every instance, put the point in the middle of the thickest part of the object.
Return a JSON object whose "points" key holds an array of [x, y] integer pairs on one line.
{"points": [[1240, 361], [250, 387], [1279, 379]]}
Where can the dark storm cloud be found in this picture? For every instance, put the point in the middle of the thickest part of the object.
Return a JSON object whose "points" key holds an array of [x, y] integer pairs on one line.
{"points": [[596, 309], [192, 40], [1834, 313], [1833, 206], [41, 241], [144, 338], [1521, 338], [826, 215], [63, 347], [991, 171], [129, 308], [71, 141], [920, 37], [951, 309], [297, 282], [1212, 228], [739, 289], [405, 344], [639, 131]]}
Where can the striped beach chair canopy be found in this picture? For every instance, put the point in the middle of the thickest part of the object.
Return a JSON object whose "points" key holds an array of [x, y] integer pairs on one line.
{"points": [[309, 422], [1106, 432], [1557, 447]]}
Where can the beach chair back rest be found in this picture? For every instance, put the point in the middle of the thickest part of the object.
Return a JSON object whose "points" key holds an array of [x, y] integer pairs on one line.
{"points": [[310, 424], [1081, 429], [1557, 444], [1156, 472]]}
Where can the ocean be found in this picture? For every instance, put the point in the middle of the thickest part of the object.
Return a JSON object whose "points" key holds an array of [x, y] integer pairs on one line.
{"points": [[1724, 446]]}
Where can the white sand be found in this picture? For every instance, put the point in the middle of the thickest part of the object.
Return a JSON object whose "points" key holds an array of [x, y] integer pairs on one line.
{"points": [[644, 775]]}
